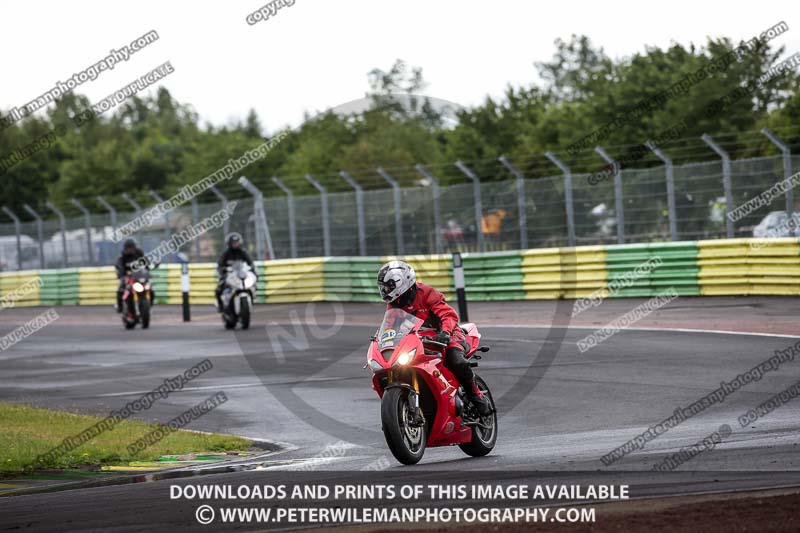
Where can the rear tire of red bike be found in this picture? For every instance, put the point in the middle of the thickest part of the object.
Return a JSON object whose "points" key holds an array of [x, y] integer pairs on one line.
{"points": [[394, 413], [483, 441]]}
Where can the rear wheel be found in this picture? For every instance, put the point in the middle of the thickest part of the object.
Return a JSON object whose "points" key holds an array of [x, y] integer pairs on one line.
{"points": [[144, 312], [484, 433], [244, 312], [406, 442]]}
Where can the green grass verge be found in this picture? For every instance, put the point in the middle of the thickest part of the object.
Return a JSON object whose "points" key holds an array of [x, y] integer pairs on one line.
{"points": [[28, 432]]}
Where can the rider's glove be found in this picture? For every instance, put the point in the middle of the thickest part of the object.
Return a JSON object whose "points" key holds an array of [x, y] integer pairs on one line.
{"points": [[442, 337]]}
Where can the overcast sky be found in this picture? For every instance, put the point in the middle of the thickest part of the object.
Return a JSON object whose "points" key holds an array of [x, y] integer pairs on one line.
{"points": [[315, 54]]}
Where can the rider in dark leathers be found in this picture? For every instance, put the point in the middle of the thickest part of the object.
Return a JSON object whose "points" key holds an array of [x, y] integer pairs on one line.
{"points": [[131, 255], [234, 252]]}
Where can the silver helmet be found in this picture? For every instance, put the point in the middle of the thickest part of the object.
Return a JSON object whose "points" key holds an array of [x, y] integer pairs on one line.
{"points": [[394, 279]]}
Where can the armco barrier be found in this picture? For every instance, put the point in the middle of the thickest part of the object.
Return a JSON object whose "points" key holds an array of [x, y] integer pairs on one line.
{"points": [[714, 267]]}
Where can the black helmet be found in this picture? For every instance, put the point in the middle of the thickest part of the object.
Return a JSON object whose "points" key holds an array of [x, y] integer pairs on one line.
{"points": [[234, 239], [129, 243]]}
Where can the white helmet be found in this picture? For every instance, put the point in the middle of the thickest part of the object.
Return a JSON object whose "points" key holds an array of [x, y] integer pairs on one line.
{"points": [[394, 279]]}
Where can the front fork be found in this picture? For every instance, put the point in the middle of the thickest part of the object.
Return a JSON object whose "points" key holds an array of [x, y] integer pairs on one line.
{"points": [[413, 401]]}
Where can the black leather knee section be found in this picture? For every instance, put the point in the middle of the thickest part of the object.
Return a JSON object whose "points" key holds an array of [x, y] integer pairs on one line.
{"points": [[458, 365]]}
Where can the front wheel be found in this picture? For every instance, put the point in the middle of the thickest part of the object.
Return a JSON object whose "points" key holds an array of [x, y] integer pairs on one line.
{"points": [[484, 433], [244, 312], [406, 442], [144, 311]]}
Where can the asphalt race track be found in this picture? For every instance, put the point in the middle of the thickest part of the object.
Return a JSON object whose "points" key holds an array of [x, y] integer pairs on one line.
{"points": [[296, 378]]}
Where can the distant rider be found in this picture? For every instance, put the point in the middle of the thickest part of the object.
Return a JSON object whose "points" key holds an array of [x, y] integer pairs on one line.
{"points": [[131, 254], [398, 286], [234, 252]]}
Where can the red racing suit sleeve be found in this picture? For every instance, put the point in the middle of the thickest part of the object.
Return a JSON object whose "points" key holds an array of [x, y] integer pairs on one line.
{"points": [[434, 301]]}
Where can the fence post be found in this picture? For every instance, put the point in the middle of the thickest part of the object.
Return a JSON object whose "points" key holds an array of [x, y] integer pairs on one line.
{"points": [[567, 196], [437, 208], [136, 207], [726, 182], [39, 231], [326, 221], [63, 224], [398, 213], [226, 224], [262, 227], [476, 192], [619, 204], [160, 200], [521, 203], [362, 232], [195, 221], [110, 208], [291, 214], [88, 219], [787, 168], [673, 219], [18, 231]]}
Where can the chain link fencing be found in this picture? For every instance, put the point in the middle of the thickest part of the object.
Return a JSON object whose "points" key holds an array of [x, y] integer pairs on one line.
{"points": [[506, 220]]}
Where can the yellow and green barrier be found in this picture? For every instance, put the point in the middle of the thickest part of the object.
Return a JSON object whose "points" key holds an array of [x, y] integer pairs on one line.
{"points": [[692, 268]]}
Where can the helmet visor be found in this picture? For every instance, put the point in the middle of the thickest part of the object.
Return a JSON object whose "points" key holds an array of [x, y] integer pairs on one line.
{"points": [[386, 288]]}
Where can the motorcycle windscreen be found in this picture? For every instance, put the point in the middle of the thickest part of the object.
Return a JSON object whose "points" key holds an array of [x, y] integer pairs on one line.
{"points": [[396, 325]]}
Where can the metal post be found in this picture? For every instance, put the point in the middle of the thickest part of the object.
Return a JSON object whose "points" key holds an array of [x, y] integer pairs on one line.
{"points": [[787, 168], [195, 221], [618, 200], [521, 203], [726, 182], [39, 231], [262, 227], [136, 207], [398, 213], [437, 208], [88, 218], [567, 196], [185, 286], [113, 212], [160, 200], [291, 214], [476, 193], [226, 224], [673, 220], [362, 232], [62, 223], [18, 231], [326, 222], [458, 281]]}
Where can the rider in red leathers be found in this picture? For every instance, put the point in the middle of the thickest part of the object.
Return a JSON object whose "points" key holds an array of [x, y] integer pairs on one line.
{"points": [[398, 286]]}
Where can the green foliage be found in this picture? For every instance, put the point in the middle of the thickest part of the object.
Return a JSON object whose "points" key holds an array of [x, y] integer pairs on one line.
{"points": [[157, 142]]}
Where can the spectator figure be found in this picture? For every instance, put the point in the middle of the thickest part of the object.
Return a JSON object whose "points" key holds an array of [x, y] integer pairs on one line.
{"points": [[492, 223]]}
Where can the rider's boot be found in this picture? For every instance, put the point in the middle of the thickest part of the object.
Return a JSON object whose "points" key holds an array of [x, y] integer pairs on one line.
{"points": [[477, 398], [119, 302]]}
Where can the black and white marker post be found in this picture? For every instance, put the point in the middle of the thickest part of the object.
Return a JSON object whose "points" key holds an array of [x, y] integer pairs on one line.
{"points": [[458, 281], [184, 260]]}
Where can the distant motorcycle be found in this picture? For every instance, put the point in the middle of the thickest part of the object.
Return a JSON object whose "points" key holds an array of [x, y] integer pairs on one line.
{"points": [[137, 299], [238, 294]]}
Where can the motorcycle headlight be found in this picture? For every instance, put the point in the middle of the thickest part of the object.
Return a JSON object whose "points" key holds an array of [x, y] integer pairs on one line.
{"points": [[406, 357], [138, 287], [249, 282], [375, 366]]}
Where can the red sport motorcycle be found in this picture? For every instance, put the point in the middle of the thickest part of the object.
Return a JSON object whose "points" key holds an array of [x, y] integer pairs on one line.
{"points": [[422, 403]]}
